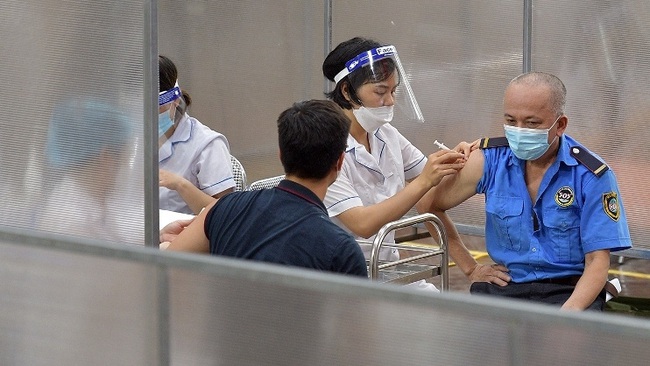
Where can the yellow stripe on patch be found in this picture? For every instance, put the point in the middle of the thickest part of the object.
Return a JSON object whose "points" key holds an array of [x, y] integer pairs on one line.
{"points": [[485, 142], [600, 169]]}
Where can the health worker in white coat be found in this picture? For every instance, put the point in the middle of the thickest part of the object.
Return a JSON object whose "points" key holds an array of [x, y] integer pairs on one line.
{"points": [[194, 160], [383, 174]]}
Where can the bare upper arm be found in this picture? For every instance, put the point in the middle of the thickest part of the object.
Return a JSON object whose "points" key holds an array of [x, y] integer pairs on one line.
{"points": [[192, 238], [455, 189]]}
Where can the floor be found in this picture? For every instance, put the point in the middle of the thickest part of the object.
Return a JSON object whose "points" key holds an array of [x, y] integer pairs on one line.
{"points": [[633, 273]]}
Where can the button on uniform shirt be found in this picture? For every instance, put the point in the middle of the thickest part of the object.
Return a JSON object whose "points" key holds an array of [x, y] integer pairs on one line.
{"points": [[369, 178], [575, 212]]}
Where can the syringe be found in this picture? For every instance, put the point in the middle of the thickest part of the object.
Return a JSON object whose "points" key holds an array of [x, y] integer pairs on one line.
{"points": [[440, 145]]}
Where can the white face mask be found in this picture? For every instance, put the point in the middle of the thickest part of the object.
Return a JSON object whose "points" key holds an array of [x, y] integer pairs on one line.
{"points": [[373, 118]]}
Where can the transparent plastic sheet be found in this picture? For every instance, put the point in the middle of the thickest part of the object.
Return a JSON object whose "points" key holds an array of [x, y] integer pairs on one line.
{"points": [[375, 62]]}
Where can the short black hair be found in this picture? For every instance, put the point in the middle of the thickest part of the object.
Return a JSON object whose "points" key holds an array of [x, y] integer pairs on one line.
{"points": [[556, 86], [344, 52], [312, 135]]}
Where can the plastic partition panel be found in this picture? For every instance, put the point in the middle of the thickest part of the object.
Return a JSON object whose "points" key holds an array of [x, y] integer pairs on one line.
{"points": [[67, 308], [303, 321], [243, 62], [241, 313], [71, 157], [458, 56], [70, 303], [601, 50]]}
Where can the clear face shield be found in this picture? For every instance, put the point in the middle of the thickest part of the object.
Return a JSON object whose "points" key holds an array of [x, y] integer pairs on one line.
{"points": [[379, 66], [171, 108]]}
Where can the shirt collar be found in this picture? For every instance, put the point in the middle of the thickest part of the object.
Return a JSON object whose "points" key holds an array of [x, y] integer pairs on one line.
{"points": [[301, 191], [182, 133], [352, 144], [378, 135], [183, 130], [564, 154], [361, 155]]}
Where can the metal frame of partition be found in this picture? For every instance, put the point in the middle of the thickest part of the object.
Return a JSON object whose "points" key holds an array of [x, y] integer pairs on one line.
{"points": [[327, 42], [151, 235], [527, 31]]}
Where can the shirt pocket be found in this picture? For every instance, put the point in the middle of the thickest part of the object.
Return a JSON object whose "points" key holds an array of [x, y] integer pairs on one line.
{"points": [[564, 233], [504, 215]]}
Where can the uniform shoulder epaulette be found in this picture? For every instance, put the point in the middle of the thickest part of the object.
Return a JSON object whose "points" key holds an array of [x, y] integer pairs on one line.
{"points": [[597, 166], [489, 142]]}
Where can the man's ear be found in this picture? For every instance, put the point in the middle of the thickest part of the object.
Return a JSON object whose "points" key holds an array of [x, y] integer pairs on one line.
{"points": [[339, 163], [562, 124]]}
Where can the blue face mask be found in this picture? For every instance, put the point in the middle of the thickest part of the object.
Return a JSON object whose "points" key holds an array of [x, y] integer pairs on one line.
{"points": [[528, 143], [164, 123]]}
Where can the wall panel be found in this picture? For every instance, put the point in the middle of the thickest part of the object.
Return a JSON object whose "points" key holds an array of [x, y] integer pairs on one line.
{"points": [[244, 62], [72, 159], [601, 50]]}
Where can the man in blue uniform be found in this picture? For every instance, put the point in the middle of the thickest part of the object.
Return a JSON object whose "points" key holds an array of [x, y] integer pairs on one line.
{"points": [[553, 208], [287, 224]]}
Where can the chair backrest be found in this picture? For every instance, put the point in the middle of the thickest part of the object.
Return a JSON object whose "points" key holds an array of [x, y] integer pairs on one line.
{"points": [[239, 174], [266, 183]]}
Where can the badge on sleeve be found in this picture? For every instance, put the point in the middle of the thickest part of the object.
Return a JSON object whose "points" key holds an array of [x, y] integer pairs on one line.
{"points": [[610, 205], [564, 196]]}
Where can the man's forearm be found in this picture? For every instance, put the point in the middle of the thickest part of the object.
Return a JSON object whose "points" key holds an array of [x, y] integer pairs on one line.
{"points": [[194, 197], [455, 246], [591, 282]]}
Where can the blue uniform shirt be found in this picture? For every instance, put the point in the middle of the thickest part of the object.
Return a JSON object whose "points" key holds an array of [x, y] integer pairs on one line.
{"points": [[575, 213]]}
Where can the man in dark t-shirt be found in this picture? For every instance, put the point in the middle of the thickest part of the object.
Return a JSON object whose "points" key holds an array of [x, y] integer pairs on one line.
{"points": [[287, 224]]}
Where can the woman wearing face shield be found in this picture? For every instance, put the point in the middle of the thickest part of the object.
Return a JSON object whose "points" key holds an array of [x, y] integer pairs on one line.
{"points": [[194, 161], [383, 175]]}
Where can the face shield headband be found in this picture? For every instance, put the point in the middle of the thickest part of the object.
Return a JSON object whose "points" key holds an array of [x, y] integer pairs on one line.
{"points": [[406, 106], [170, 95]]}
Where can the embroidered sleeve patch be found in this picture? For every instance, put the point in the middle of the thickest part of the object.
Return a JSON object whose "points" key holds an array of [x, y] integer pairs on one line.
{"points": [[610, 205]]}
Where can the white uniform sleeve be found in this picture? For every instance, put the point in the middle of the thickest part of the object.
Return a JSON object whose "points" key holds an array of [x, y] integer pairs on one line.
{"points": [[213, 167], [341, 195], [413, 159]]}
